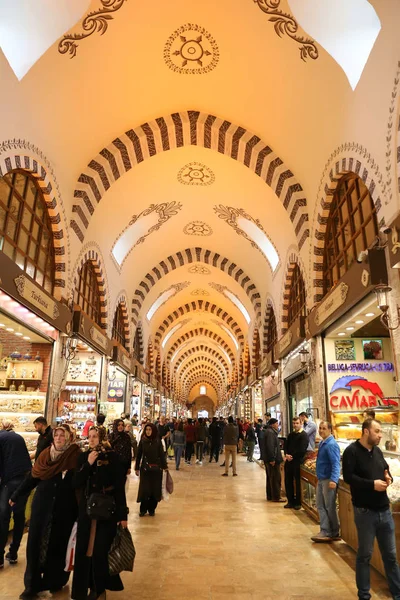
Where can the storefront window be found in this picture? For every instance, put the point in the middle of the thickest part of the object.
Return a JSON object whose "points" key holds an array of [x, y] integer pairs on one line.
{"points": [[352, 228], [297, 296], [118, 329], [87, 294], [25, 229]]}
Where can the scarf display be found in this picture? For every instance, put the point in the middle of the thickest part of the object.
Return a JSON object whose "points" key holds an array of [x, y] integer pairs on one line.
{"points": [[51, 461]]}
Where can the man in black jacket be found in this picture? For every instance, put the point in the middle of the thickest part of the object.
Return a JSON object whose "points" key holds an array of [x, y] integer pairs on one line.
{"points": [[215, 435], [272, 457], [295, 451], [367, 472], [45, 438], [14, 465]]}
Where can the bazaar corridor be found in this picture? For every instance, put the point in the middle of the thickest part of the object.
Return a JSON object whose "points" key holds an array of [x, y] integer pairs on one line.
{"points": [[217, 539]]}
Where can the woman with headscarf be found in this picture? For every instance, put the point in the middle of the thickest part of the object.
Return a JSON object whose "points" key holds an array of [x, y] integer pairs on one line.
{"points": [[150, 462], [122, 445], [54, 511], [99, 471]]}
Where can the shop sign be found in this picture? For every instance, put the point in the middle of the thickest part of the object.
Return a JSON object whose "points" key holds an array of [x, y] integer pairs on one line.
{"points": [[126, 361], [357, 393], [266, 364], [285, 341], [394, 245], [98, 338], [33, 293], [334, 301], [116, 390], [252, 377], [359, 367], [86, 328]]}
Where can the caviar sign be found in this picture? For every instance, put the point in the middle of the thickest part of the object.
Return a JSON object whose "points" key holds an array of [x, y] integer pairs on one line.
{"points": [[357, 393]]}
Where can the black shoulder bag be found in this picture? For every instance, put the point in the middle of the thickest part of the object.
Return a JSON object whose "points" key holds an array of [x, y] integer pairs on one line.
{"points": [[99, 505]]}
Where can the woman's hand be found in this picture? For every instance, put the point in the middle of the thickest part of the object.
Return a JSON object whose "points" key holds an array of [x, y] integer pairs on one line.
{"points": [[137, 473], [124, 524], [11, 503], [92, 457]]}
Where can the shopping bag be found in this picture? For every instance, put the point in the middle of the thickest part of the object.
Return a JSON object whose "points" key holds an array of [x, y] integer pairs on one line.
{"points": [[169, 484], [164, 491], [70, 556], [121, 556], [170, 452]]}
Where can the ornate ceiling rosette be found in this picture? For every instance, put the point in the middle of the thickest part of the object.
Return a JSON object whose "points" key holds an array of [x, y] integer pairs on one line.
{"points": [[199, 270], [95, 21], [200, 292], [197, 228], [164, 211], [196, 173], [286, 24], [191, 50]]}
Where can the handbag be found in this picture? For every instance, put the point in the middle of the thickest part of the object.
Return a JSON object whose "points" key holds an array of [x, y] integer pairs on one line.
{"points": [[100, 506], [169, 484], [121, 556]]}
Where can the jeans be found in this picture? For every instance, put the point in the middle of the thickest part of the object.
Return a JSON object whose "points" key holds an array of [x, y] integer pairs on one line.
{"points": [[373, 524], [230, 452], [189, 451], [326, 506], [18, 510], [178, 451], [250, 450], [199, 451]]}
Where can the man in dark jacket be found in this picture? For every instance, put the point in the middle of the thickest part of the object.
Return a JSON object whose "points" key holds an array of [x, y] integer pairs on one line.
{"points": [[214, 432], [272, 457], [231, 437], [45, 438], [14, 465], [201, 434], [295, 450]]}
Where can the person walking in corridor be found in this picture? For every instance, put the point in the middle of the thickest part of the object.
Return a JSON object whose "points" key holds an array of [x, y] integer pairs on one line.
{"points": [[250, 441], [367, 472], [328, 471], [272, 456], [201, 434], [151, 460], [178, 444], [214, 432], [295, 450], [231, 437], [15, 464], [190, 432]]}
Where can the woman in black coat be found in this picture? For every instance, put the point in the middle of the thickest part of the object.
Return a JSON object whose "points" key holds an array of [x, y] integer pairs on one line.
{"points": [[122, 445], [150, 463], [54, 511], [99, 470]]}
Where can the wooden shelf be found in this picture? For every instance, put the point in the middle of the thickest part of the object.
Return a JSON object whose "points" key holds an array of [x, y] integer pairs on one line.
{"points": [[22, 379]]}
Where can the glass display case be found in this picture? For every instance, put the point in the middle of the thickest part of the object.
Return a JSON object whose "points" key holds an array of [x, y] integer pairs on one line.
{"points": [[22, 408], [308, 481], [347, 428], [80, 406]]}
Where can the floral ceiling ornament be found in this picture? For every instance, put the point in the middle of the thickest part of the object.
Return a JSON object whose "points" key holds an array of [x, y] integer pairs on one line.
{"points": [[165, 211], [197, 228], [199, 270], [191, 50], [196, 173], [200, 292], [95, 21], [286, 24]]}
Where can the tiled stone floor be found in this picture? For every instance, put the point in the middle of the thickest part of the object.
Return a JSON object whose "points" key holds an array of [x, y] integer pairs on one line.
{"points": [[218, 539]]}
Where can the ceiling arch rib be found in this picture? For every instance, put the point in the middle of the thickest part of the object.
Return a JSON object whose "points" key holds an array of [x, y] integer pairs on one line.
{"points": [[197, 333], [188, 331], [203, 349], [189, 360], [201, 367], [196, 379], [199, 305], [187, 128], [201, 371], [195, 255]]}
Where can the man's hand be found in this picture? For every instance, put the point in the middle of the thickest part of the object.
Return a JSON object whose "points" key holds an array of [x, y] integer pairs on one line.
{"points": [[380, 485], [11, 503], [124, 524], [288, 457], [272, 463], [92, 457], [388, 479], [332, 485], [137, 473]]}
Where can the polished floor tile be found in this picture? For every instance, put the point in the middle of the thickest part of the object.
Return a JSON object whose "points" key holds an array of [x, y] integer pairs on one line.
{"points": [[218, 539]]}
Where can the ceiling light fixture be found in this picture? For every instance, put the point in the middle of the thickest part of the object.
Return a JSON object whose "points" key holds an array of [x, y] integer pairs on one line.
{"points": [[349, 328], [370, 314], [359, 322], [341, 334]]}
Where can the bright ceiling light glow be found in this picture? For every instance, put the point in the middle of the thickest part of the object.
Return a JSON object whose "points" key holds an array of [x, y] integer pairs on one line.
{"points": [[203, 390], [369, 314], [341, 333], [238, 304], [347, 30], [170, 333], [10, 329], [359, 322], [2, 325], [160, 300], [18, 334], [349, 328], [230, 335], [26, 337], [262, 241]]}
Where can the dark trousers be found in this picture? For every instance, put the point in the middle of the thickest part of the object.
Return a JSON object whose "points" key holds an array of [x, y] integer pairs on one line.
{"points": [[292, 478], [215, 449], [150, 504], [273, 476], [6, 490], [199, 450], [189, 451]]}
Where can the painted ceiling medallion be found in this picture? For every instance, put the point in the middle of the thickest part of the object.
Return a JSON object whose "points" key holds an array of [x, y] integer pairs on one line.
{"points": [[191, 50], [95, 21], [197, 228], [200, 292], [196, 173], [286, 24], [199, 270]]}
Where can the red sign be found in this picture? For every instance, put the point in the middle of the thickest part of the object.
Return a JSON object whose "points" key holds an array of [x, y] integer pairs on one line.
{"points": [[357, 393]]}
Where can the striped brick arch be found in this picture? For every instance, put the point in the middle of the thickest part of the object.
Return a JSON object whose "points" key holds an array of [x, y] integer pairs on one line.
{"points": [[203, 349], [150, 357], [187, 128], [138, 344], [93, 256], [189, 256], [203, 305], [36, 169], [211, 366], [202, 372], [200, 332], [359, 164], [268, 316], [203, 360], [123, 303], [256, 348], [197, 379], [292, 262]]}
